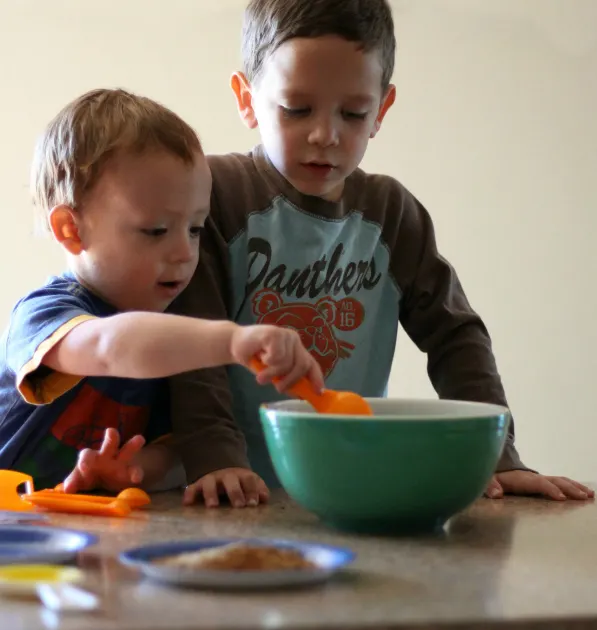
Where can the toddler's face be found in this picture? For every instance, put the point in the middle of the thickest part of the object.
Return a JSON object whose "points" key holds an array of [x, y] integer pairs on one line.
{"points": [[317, 103], [139, 228]]}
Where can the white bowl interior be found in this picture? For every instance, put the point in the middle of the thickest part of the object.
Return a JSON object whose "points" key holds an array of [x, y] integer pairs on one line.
{"points": [[404, 409]]}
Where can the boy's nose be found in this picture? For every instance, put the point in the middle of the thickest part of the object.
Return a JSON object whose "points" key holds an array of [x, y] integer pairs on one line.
{"points": [[184, 250], [324, 134]]}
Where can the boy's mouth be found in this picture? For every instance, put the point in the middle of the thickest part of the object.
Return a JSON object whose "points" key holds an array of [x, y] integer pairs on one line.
{"points": [[319, 168], [171, 285]]}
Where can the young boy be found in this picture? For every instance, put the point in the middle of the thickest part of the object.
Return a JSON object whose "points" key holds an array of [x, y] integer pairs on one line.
{"points": [[307, 240], [125, 190]]}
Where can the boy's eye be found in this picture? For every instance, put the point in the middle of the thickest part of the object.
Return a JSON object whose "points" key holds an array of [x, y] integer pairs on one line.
{"points": [[155, 232], [356, 115], [297, 112], [195, 231], [291, 112]]}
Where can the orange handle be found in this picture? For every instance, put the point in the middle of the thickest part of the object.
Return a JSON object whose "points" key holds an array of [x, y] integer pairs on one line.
{"points": [[10, 480], [62, 504], [135, 497], [301, 389], [56, 494]]}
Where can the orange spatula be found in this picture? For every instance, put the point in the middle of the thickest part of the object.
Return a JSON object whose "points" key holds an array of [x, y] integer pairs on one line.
{"points": [[329, 401]]}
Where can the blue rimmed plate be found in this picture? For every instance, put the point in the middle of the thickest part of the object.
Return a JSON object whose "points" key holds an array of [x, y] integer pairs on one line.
{"points": [[328, 560], [32, 544]]}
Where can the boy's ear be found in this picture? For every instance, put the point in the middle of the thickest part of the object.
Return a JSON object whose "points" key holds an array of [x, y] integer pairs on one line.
{"points": [[244, 99], [64, 228], [386, 103]]}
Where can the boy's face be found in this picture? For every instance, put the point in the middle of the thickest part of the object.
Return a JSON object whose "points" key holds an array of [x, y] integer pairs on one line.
{"points": [[317, 102], [139, 229]]}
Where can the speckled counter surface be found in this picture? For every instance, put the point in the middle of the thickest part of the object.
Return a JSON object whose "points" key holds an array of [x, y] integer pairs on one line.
{"points": [[516, 563]]}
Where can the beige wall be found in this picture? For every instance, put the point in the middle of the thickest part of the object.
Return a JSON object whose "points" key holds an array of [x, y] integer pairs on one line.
{"points": [[495, 130]]}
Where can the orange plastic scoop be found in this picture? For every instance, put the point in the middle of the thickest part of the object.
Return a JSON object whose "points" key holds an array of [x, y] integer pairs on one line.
{"points": [[329, 401], [66, 503], [135, 497], [58, 501]]}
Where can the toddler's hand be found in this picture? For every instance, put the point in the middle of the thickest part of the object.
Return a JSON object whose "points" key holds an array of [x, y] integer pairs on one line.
{"points": [[243, 487], [281, 350], [110, 468], [524, 482]]}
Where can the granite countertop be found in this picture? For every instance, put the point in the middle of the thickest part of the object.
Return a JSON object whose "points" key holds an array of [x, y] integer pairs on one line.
{"points": [[516, 563]]}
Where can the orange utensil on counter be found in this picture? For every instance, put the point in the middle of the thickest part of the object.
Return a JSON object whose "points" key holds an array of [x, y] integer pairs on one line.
{"points": [[10, 499], [329, 401], [135, 497], [58, 501]]}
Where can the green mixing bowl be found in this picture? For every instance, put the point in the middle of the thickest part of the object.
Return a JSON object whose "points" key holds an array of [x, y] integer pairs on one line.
{"points": [[408, 469]]}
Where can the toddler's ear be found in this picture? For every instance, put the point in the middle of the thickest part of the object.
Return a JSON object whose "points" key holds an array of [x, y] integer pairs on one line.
{"points": [[244, 99], [386, 103], [64, 228]]}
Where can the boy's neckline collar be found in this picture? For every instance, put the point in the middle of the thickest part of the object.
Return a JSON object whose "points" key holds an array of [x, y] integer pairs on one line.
{"points": [[71, 277], [310, 203]]}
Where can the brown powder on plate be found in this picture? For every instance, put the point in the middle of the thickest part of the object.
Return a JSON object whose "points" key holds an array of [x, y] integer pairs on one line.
{"points": [[240, 557]]}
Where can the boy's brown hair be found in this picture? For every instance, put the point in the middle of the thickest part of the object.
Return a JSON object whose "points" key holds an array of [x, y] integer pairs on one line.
{"points": [[270, 23], [85, 133]]}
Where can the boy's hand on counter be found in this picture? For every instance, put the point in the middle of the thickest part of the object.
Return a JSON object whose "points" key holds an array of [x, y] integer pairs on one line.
{"points": [[525, 482], [243, 487], [112, 467]]}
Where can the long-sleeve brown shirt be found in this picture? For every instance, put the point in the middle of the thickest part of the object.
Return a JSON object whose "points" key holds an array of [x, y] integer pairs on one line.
{"points": [[344, 275]]}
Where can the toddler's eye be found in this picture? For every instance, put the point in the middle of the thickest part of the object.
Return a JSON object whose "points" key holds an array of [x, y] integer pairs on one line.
{"points": [[155, 232], [355, 115], [290, 112]]}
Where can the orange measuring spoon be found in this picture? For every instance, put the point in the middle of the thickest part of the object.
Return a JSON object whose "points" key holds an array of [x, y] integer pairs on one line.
{"points": [[329, 401], [135, 497], [58, 501]]}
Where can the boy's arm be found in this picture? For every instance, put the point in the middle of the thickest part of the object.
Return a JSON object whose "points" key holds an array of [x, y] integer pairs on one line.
{"points": [[439, 319], [144, 345], [156, 461], [204, 431], [205, 434], [141, 345]]}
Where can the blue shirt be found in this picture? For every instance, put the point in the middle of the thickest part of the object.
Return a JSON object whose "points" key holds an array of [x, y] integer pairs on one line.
{"points": [[47, 417]]}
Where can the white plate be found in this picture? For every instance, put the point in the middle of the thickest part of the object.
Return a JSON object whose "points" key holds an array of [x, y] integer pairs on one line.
{"points": [[328, 561], [39, 544]]}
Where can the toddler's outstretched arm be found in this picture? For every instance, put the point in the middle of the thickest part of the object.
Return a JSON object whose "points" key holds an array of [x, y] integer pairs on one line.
{"points": [[154, 345]]}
